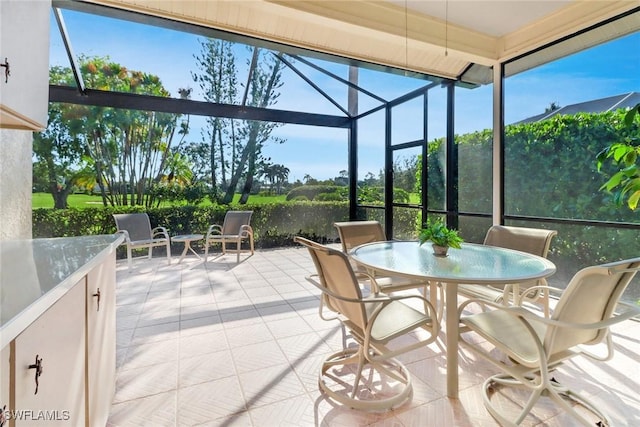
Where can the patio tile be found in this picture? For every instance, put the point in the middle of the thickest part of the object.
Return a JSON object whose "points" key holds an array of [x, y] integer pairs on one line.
{"points": [[256, 356], [290, 326], [198, 344], [268, 385], [151, 354], [298, 347], [209, 401], [146, 381], [200, 325], [242, 344], [160, 332], [149, 318], [157, 410], [201, 310], [204, 368], [293, 411], [250, 334]]}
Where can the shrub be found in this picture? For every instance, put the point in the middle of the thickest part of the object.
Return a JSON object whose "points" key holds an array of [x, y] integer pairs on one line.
{"points": [[329, 197], [274, 224], [311, 191]]}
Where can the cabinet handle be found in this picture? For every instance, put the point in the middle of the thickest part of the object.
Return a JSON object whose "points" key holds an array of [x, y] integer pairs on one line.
{"points": [[38, 367], [7, 71], [97, 295]]}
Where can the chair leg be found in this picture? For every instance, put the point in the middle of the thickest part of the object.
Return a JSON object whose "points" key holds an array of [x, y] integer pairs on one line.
{"points": [[206, 250], [368, 402], [168, 253], [129, 261], [556, 392]]}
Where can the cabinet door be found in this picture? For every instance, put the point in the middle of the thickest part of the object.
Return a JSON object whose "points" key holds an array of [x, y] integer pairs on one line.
{"points": [[58, 337], [24, 95], [5, 369], [101, 340]]}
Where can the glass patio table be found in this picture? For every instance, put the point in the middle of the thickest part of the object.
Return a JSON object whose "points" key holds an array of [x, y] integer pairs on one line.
{"points": [[477, 264]]}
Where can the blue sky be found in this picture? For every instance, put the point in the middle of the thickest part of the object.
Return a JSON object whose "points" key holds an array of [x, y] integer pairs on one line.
{"points": [[605, 70]]}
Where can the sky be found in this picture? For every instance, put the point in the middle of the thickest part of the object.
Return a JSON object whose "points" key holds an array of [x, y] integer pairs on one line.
{"points": [[602, 71]]}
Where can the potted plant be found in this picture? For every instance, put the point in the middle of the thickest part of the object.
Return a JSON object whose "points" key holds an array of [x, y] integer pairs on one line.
{"points": [[441, 237]]}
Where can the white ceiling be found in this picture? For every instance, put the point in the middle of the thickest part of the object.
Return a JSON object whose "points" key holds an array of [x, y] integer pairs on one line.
{"points": [[496, 18], [456, 39]]}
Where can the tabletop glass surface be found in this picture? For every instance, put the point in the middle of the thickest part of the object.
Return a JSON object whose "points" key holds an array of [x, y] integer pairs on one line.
{"points": [[470, 264]]}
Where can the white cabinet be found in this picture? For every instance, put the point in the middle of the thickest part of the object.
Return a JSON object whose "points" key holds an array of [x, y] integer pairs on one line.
{"points": [[4, 378], [101, 340], [75, 340], [24, 94], [57, 338]]}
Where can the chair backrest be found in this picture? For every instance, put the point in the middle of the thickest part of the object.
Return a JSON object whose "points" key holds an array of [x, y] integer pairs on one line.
{"points": [[591, 296], [535, 241], [233, 220], [336, 275], [137, 225], [356, 233]]}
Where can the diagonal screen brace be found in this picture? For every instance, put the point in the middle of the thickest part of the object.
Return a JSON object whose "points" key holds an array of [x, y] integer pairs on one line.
{"points": [[67, 44]]}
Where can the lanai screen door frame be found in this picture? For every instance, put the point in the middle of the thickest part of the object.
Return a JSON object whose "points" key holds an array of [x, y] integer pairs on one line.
{"points": [[451, 157]]}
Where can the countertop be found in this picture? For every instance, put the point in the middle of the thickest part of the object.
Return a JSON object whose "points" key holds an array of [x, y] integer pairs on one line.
{"points": [[36, 273]]}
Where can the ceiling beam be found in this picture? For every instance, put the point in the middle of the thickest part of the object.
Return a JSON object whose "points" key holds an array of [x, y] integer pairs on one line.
{"points": [[132, 101]]}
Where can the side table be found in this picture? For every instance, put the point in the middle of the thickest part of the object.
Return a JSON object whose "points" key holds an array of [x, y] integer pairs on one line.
{"points": [[187, 239]]}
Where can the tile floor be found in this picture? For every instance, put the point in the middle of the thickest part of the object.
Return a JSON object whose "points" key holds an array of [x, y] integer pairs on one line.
{"points": [[226, 344]]}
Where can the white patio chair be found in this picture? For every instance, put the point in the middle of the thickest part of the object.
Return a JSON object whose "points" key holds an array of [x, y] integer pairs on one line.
{"points": [[356, 233], [235, 228], [531, 346], [373, 321], [138, 234], [535, 241]]}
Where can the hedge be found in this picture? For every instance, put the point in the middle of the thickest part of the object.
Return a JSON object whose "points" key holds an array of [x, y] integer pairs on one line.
{"points": [[274, 224]]}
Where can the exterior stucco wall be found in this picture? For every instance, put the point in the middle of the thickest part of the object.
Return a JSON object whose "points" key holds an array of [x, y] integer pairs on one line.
{"points": [[15, 184]]}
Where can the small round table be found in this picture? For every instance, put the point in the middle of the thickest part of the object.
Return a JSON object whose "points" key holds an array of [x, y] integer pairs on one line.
{"points": [[187, 239]]}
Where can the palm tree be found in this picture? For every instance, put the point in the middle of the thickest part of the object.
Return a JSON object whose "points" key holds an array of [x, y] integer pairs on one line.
{"points": [[280, 175]]}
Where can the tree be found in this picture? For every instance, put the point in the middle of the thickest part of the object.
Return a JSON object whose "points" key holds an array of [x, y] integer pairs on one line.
{"points": [[236, 145], [552, 107], [56, 152], [128, 150], [625, 156], [404, 173], [199, 157], [280, 176], [219, 84]]}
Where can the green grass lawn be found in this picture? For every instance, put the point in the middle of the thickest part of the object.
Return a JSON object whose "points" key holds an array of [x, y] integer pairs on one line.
{"points": [[44, 200]]}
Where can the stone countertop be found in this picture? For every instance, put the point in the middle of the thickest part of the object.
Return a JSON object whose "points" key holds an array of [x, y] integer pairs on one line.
{"points": [[36, 273]]}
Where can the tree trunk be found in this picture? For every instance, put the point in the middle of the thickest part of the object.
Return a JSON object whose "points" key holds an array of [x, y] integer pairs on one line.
{"points": [[60, 195]]}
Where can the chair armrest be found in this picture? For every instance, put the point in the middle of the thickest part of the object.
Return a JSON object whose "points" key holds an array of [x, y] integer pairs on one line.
{"points": [[213, 229], [159, 231], [376, 298], [313, 279], [127, 239], [522, 312], [246, 231], [373, 284]]}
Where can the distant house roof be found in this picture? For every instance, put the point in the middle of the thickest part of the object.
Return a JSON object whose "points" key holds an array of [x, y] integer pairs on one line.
{"points": [[626, 100]]}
